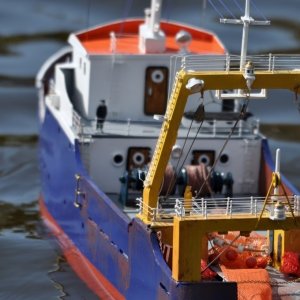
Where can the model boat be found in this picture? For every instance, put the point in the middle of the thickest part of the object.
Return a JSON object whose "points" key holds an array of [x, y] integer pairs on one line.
{"points": [[155, 178]]}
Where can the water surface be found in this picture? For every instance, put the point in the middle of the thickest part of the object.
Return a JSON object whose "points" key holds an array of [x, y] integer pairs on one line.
{"points": [[30, 31]]}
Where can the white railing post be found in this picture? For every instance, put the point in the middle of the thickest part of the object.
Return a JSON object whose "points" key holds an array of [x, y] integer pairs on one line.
{"points": [[214, 128], [296, 204], [270, 61], [154, 212], [240, 127], [183, 62], [227, 205], [227, 62], [140, 204], [255, 207], [113, 42], [128, 126]]}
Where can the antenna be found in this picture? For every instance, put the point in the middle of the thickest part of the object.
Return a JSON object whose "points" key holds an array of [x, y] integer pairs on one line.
{"points": [[246, 21]]}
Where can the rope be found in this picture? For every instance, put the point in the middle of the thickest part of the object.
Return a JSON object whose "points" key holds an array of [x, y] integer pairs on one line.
{"points": [[242, 113], [126, 14], [168, 10], [88, 13], [227, 9], [225, 248], [175, 175], [186, 156], [215, 8], [258, 10], [238, 5], [272, 282]]}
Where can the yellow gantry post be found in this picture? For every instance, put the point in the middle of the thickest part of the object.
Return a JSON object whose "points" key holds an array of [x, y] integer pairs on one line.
{"points": [[167, 139], [189, 235]]}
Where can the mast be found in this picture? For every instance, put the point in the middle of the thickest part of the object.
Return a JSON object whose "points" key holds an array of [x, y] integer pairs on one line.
{"points": [[246, 21], [151, 37]]}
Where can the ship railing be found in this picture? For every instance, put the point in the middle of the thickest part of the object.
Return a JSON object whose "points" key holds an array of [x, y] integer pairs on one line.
{"points": [[82, 127], [209, 208], [85, 128], [209, 128], [118, 40], [223, 128], [270, 62], [77, 125]]}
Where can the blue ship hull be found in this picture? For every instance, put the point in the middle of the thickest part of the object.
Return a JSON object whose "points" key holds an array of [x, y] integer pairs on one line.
{"points": [[125, 253]]}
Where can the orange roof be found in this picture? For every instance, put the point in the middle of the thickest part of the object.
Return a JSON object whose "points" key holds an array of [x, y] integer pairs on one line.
{"points": [[98, 41]]}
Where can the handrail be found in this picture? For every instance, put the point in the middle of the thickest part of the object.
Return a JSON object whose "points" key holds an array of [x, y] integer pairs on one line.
{"points": [[119, 39], [130, 127], [209, 208], [270, 62]]}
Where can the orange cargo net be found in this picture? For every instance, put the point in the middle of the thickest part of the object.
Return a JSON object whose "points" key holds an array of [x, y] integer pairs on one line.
{"points": [[291, 264], [243, 259], [253, 284]]}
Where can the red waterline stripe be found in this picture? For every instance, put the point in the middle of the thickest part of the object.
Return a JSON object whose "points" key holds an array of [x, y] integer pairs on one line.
{"points": [[79, 263]]}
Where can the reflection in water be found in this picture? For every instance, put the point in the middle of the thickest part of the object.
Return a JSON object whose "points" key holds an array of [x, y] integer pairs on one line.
{"points": [[24, 242], [7, 42], [58, 268], [19, 218], [29, 255], [67, 282], [18, 140], [282, 132], [26, 255]]}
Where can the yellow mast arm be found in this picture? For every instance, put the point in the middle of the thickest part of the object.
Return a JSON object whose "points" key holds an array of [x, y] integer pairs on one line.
{"points": [[212, 80], [223, 80], [166, 140]]}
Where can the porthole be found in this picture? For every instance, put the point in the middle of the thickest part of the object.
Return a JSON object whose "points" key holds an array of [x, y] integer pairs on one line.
{"points": [[118, 159], [157, 76], [204, 159], [224, 158], [138, 158]]}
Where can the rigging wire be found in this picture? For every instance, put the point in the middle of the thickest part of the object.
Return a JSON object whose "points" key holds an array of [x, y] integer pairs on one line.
{"points": [[126, 11], [242, 113], [203, 15], [239, 6], [175, 175], [88, 14], [227, 9], [167, 10], [258, 10], [215, 8], [218, 255]]}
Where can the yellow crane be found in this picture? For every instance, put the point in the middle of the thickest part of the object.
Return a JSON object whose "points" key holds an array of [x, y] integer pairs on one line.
{"points": [[188, 233]]}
